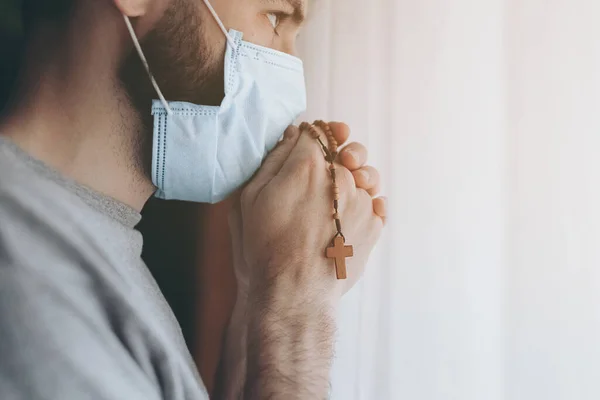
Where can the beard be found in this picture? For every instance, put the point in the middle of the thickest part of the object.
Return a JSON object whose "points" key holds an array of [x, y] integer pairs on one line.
{"points": [[184, 64]]}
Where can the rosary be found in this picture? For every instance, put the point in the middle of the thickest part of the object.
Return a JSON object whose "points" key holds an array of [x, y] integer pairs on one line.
{"points": [[337, 250]]}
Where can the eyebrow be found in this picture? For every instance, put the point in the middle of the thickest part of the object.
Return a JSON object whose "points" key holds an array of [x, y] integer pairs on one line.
{"points": [[299, 12]]}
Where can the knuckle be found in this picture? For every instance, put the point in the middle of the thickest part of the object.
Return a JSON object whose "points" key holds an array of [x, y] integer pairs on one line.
{"points": [[291, 132], [311, 159]]}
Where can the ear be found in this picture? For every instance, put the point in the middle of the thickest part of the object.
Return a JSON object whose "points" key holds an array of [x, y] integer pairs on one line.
{"points": [[133, 8]]}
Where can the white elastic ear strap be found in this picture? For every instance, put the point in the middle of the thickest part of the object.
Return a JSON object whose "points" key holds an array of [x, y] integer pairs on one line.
{"points": [[136, 43], [223, 29]]}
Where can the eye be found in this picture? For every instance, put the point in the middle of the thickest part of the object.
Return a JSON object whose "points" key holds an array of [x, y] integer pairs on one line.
{"points": [[273, 19]]}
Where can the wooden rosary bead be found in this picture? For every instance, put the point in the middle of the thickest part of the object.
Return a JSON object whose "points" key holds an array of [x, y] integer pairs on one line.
{"points": [[338, 249]]}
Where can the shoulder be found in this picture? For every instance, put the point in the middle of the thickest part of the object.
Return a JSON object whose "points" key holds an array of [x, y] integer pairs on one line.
{"points": [[40, 222], [58, 337], [56, 343]]}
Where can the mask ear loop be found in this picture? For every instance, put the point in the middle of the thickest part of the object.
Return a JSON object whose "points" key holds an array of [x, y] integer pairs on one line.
{"points": [[138, 48], [223, 29], [136, 43]]}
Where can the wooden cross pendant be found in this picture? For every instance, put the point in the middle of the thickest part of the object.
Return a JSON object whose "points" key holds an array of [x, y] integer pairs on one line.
{"points": [[339, 251]]}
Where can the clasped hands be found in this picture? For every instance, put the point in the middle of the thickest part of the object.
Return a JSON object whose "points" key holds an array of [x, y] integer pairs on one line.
{"points": [[282, 223]]}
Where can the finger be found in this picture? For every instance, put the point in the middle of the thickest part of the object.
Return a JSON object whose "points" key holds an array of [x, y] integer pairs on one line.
{"points": [[380, 207], [367, 178], [353, 156], [307, 152], [274, 161], [340, 131], [307, 164]]}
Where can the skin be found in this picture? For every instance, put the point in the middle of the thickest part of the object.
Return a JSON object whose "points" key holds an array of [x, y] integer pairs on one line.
{"points": [[80, 107]]}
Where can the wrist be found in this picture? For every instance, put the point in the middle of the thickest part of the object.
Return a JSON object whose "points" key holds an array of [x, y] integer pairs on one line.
{"points": [[290, 331], [290, 341], [305, 283]]}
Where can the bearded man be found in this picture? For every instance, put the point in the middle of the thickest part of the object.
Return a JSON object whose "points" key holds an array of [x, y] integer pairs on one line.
{"points": [[185, 99]]}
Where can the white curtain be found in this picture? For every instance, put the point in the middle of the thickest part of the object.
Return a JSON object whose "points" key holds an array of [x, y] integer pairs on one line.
{"points": [[484, 118]]}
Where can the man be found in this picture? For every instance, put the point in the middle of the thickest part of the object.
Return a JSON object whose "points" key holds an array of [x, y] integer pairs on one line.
{"points": [[80, 154]]}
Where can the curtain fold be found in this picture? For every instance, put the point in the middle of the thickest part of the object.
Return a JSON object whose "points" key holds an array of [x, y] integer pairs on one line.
{"points": [[481, 116]]}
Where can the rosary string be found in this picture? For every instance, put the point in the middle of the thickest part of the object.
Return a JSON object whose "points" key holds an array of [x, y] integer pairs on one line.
{"points": [[337, 250]]}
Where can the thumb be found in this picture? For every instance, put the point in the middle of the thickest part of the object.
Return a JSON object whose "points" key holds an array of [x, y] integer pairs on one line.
{"points": [[274, 161]]}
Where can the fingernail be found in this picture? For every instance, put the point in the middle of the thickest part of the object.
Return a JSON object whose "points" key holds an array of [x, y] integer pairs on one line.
{"points": [[289, 133], [353, 154], [364, 174]]}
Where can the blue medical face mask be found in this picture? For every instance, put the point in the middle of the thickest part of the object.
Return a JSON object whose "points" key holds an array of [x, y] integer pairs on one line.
{"points": [[204, 153]]}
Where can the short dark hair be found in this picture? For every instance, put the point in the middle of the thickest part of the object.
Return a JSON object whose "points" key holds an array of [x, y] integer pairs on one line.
{"points": [[13, 37], [49, 10]]}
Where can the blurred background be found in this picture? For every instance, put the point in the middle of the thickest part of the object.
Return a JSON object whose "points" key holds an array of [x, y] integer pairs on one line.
{"points": [[483, 118]]}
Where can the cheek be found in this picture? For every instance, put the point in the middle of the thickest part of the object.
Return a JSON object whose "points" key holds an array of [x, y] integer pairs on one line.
{"points": [[250, 19], [258, 30], [154, 14]]}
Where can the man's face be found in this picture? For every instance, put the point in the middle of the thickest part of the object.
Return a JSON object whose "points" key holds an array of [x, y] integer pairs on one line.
{"points": [[186, 50]]}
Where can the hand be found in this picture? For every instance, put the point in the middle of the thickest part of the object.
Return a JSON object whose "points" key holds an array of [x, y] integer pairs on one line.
{"points": [[280, 230], [286, 214]]}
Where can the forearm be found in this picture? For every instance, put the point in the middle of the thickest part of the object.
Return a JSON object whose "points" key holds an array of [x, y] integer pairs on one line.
{"points": [[290, 338]]}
